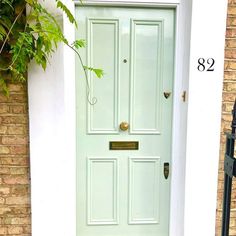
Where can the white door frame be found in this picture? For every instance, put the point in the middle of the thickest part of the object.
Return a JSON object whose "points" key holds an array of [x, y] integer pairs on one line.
{"points": [[52, 112]]}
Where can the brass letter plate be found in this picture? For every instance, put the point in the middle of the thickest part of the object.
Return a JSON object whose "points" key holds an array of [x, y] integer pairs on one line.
{"points": [[126, 145]]}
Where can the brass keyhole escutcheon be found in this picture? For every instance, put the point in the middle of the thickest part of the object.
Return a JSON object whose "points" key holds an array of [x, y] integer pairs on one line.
{"points": [[124, 126], [167, 94]]}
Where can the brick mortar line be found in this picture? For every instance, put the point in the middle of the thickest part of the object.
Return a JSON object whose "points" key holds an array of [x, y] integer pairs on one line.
{"points": [[230, 58], [14, 115], [7, 166], [229, 81], [17, 156], [15, 145]]}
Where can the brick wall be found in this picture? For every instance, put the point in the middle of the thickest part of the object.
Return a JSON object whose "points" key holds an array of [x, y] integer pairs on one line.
{"points": [[229, 95], [14, 164]]}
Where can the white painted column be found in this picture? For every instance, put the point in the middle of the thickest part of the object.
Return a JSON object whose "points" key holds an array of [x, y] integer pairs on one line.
{"points": [[204, 113], [52, 141]]}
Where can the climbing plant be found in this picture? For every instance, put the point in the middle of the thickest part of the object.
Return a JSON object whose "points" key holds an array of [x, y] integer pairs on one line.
{"points": [[32, 35]]}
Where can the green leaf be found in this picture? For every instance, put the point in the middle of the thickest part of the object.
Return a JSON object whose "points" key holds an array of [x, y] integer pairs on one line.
{"points": [[81, 43], [98, 72], [44, 62], [22, 52], [5, 21], [39, 43], [2, 31], [3, 87], [67, 11], [8, 2], [30, 1]]}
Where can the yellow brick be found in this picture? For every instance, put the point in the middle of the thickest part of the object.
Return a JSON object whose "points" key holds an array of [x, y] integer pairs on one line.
{"points": [[17, 200], [15, 230], [4, 150], [20, 221], [16, 140], [232, 10], [230, 65], [3, 230], [4, 190], [4, 210], [16, 179]]}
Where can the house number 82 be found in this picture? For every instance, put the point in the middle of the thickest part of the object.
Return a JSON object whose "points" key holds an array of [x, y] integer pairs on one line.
{"points": [[206, 64]]}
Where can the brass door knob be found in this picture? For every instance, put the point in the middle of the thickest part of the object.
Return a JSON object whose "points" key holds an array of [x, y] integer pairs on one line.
{"points": [[124, 126]]}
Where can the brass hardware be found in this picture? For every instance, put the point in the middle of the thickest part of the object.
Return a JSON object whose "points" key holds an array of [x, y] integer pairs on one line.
{"points": [[184, 94], [124, 126], [167, 94], [166, 170], [123, 145]]}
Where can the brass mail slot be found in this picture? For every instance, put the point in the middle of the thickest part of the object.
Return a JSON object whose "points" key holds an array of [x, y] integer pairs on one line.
{"points": [[124, 145]]}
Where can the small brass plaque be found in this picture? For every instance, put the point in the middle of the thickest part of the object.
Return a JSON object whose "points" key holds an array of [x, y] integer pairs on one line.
{"points": [[124, 145]]}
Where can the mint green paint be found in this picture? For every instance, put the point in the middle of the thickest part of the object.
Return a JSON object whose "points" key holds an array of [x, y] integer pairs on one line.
{"points": [[124, 192]]}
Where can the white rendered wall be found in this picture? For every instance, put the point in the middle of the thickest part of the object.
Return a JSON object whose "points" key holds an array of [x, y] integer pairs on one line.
{"points": [[52, 142], [204, 113], [52, 113]]}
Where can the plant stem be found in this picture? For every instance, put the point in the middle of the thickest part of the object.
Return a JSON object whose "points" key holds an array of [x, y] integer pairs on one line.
{"points": [[14, 22], [13, 62], [94, 99]]}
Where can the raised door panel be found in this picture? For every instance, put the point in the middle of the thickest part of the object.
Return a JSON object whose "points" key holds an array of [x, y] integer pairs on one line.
{"points": [[146, 76], [144, 190], [103, 52], [102, 187]]}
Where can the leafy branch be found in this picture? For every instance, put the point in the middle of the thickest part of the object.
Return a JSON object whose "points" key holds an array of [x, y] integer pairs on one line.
{"points": [[98, 72], [13, 24], [35, 36]]}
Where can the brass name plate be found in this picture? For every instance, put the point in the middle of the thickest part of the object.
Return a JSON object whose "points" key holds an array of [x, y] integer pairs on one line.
{"points": [[124, 145]]}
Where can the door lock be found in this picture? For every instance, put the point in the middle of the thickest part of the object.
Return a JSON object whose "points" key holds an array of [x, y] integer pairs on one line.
{"points": [[166, 170]]}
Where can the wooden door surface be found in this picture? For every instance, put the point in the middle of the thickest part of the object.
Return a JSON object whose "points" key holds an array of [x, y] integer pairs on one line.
{"points": [[122, 189]]}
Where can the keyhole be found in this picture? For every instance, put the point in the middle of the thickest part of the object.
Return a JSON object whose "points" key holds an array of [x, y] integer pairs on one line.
{"points": [[125, 61]]}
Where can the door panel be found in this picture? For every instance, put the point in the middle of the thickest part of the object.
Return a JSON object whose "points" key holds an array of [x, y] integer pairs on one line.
{"points": [[102, 184], [124, 192], [144, 189], [146, 46], [103, 53]]}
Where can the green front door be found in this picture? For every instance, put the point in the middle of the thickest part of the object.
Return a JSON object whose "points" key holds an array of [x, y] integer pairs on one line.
{"points": [[122, 188]]}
